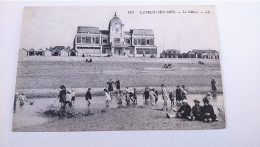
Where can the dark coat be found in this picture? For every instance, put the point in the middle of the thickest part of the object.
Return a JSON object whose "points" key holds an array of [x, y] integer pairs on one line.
{"points": [[88, 96], [178, 94], [117, 83], [208, 109], [62, 95], [187, 109], [110, 86]]}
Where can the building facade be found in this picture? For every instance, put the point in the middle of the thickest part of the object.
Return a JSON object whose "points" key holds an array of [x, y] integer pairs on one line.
{"points": [[115, 41], [170, 53]]}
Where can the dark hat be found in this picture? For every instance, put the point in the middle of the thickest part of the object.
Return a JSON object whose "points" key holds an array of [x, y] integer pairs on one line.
{"points": [[89, 88], [196, 101], [162, 85], [62, 86], [205, 100]]}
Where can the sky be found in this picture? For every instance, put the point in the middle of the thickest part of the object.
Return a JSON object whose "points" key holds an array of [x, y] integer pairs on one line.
{"points": [[56, 26]]}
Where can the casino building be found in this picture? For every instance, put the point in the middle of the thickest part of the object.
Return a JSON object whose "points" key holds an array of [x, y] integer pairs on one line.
{"points": [[115, 41]]}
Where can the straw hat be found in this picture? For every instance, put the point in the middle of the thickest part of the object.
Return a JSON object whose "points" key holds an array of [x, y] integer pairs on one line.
{"points": [[196, 101], [185, 101]]}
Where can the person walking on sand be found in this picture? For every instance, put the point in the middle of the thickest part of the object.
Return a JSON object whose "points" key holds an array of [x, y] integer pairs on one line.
{"points": [[108, 97], [213, 85], [120, 97], [178, 94], [164, 96], [207, 112], [88, 96], [171, 96], [129, 95], [62, 95], [146, 95]]}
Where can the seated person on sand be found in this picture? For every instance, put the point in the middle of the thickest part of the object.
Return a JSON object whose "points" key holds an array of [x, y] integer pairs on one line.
{"points": [[184, 111], [207, 112], [196, 111], [22, 98]]}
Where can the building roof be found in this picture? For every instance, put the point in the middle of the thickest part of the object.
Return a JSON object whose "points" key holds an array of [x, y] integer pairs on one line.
{"points": [[203, 51], [142, 32], [115, 20], [127, 33], [88, 29], [22, 49], [104, 32], [31, 49], [58, 48]]}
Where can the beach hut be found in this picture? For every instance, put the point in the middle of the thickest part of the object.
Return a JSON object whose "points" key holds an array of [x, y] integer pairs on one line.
{"points": [[31, 52], [64, 52], [23, 52], [40, 52], [73, 52], [48, 52]]}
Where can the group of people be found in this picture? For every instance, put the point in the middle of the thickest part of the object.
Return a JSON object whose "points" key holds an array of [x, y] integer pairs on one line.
{"points": [[197, 112]]}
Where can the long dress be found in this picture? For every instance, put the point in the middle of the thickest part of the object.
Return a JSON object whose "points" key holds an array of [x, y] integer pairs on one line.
{"points": [[152, 97], [108, 96]]}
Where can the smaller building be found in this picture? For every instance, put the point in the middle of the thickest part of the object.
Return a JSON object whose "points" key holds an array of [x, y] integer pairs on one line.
{"points": [[40, 52], [31, 52], [23, 52], [73, 52], [47, 52], [206, 54], [170, 53]]}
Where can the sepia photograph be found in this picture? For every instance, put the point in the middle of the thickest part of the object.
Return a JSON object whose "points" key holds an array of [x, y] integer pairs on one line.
{"points": [[113, 68]]}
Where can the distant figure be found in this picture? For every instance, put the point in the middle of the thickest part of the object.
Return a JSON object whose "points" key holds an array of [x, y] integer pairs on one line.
{"points": [[73, 97], [129, 95], [207, 112], [62, 95], [15, 100], [152, 96], [196, 111], [22, 98], [88, 96], [164, 95], [146, 95], [213, 85], [120, 97], [183, 92], [156, 93], [117, 83], [90, 60], [108, 97], [135, 97], [165, 66], [184, 111], [178, 94], [83, 55], [110, 85], [171, 96], [86, 59]]}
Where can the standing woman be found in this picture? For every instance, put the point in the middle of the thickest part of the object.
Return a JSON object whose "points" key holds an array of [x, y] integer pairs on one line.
{"points": [[183, 92], [152, 96], [88, 96], [164, 95], [178, 94], [62, 95], [171, 96], [110, 85], [107, 93]]}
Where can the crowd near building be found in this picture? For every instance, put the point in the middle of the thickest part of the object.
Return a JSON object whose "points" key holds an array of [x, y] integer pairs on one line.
{"points": [[116, 41]]}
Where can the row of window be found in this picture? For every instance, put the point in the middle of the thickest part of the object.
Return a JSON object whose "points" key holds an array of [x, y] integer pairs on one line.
{"points": [[143, 41], [146, 51], [96, 40], [88, 47]]}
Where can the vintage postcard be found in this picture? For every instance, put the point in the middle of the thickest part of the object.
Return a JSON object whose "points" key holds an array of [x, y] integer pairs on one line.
{"points": [[119, 68]]}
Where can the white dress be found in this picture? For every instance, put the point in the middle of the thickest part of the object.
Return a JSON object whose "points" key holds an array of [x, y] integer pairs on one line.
{"points": [[108, 96]]}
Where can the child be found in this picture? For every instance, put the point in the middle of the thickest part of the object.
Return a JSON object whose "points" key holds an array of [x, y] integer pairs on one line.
{"points": [[164, 95], [88, 96], [108, 97], [120, 96], [22, 98], [171, 96], [73, 96]]}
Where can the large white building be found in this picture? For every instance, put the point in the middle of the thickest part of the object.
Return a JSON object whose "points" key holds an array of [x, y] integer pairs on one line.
{"points": [[115, 41]]}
